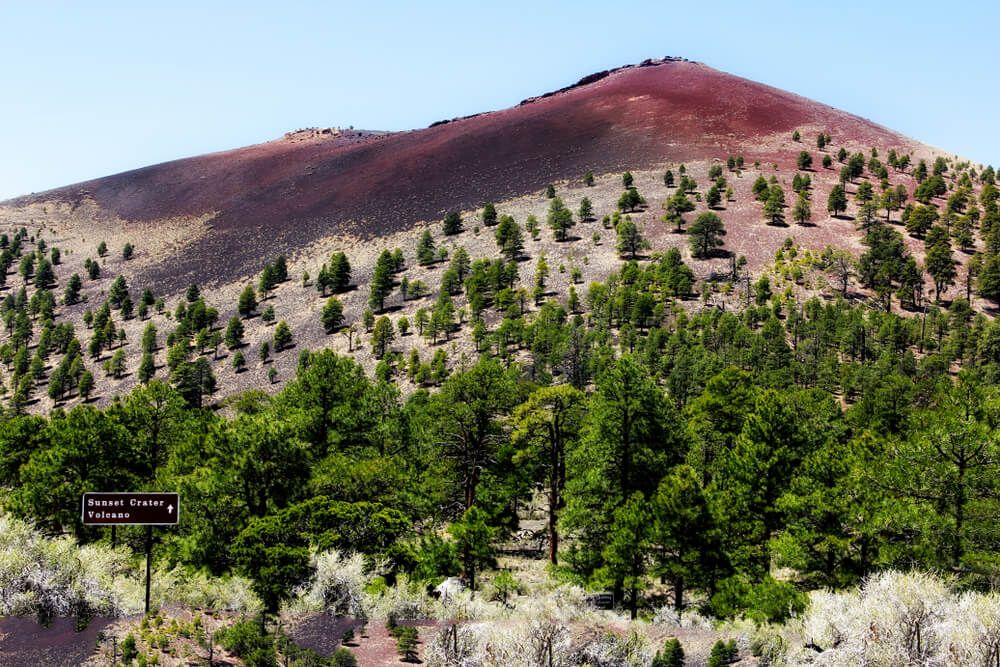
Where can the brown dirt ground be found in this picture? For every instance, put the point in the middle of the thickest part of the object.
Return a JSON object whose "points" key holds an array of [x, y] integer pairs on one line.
{"points": [[24, 642]]}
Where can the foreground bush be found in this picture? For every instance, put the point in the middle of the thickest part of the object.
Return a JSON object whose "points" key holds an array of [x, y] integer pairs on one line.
{"points": [[898, 618], [51, 577], [46, 577]]}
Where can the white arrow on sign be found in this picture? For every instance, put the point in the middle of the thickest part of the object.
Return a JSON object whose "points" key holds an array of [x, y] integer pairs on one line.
{"points": [[170, 509]]}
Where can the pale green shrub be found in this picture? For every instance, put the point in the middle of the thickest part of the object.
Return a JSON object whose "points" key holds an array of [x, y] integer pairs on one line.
{"points": [[51, 577]]}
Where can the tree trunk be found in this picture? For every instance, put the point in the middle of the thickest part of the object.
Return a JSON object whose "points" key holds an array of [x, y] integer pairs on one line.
{"points": [[553, 503], [634, 603], [678, 584], [957, 550]]}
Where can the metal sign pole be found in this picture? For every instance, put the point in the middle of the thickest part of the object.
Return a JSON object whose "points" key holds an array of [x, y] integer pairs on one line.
{"points": [[149, 558], [131, 509]]}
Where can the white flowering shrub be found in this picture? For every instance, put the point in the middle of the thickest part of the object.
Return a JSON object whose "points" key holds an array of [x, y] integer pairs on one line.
{"points": [[48, 577], [611, 650], [455, 645], [689, 618], [337, 586], [897, 618], [179, 586], [492, 644], [407, 600]]}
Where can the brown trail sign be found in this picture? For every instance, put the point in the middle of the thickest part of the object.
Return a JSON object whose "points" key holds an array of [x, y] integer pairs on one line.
{"points": [[132, 509]]}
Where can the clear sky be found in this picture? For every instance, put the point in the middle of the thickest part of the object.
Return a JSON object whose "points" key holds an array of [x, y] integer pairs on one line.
{"points": [[90, 89]]}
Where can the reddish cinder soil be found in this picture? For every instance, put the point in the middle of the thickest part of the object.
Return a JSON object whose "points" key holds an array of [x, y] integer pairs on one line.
{"points": [[279, 196], [376, 648], [24, 642]]}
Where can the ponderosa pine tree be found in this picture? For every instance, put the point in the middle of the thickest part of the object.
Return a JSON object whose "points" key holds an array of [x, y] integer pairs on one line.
{"points": [[560, 219], [774, 206], [629, 431], [382, 336], [248, 302], [837, 202], [425, 249], [147, 368], [630, 239], [628, 543], [675, 208], [339, 272], [267, 281], [705, 234], [282, 336], [508, 236], [333, 315], [545, 427], [452, 223], [73, 287], [474, 538], [940, 264], [713, 197], [234, 333], [381, 284], [489, 215], [801, 212], [687, 542]]}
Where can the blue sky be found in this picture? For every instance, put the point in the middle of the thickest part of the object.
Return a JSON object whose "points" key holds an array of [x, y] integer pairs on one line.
{"points": [[90, 89]]}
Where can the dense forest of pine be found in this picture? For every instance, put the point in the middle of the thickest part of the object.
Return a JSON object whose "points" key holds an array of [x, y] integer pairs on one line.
{"points": [[821, 435]]}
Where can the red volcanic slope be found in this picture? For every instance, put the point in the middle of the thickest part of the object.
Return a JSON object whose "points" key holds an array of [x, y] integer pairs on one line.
{"points": [[293, 192]]}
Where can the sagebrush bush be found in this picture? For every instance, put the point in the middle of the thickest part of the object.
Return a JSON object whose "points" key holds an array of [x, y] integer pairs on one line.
{"points": [[337, 585], [525, 644], [199, 589], [48, 577], [898, 618]]}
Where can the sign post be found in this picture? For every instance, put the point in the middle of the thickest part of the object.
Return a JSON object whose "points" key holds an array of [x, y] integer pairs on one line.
{"points": [[132, 509]]}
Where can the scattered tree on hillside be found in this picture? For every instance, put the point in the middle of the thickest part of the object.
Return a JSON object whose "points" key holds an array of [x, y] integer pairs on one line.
{"points": [[340, 272], [630, 200], [248, 302], [425, 249], [333, 315], [560, 219], [705, 234], [382, 281], [234, 333], [282, 336], [774, 206], [630, 239], [489, 215], [508, 237], [452, 223], [802, 212], [676, 207], [382, 336], [837, 202], [940, 265]]}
